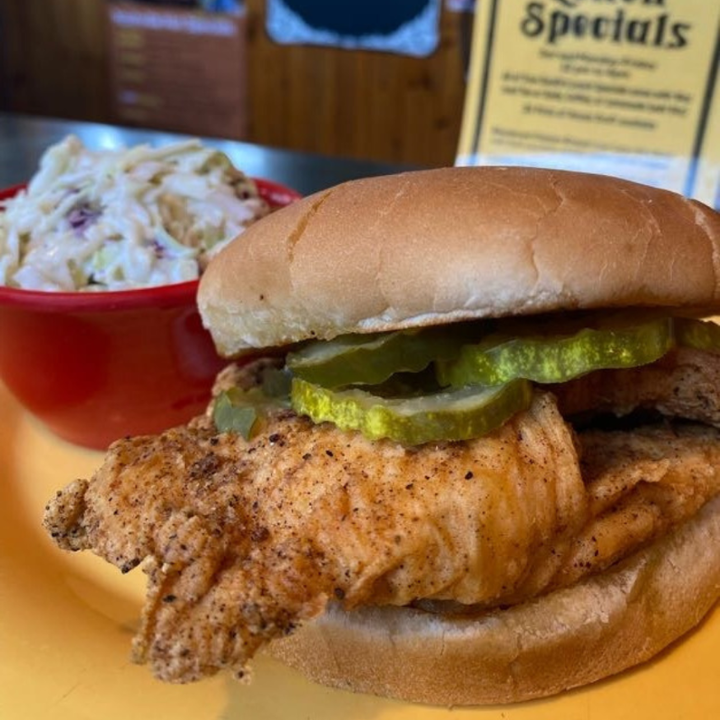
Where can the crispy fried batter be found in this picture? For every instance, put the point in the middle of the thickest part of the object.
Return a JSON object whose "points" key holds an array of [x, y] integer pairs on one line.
{"points": [[244, 540], [685, 383]]}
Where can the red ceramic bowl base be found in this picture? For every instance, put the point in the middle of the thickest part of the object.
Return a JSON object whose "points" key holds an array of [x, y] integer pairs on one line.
{"points": [[94, 398]]}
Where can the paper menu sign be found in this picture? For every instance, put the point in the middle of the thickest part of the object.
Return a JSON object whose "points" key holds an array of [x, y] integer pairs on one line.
{"points": [[623, 87], [708, 173], [178, 69]]}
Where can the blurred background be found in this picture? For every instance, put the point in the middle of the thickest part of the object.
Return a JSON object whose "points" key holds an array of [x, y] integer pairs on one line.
{"points": [[307, 76]]}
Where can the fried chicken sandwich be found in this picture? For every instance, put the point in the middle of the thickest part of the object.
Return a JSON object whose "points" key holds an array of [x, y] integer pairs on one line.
{"points": [[469, 451]]}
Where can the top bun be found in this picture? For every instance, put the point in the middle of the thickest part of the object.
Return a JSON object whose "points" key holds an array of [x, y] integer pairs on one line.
{"points": [[436, 246]]}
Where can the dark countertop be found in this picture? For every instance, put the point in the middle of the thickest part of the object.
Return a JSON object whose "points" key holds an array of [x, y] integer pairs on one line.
{"points": [[23, 139]]}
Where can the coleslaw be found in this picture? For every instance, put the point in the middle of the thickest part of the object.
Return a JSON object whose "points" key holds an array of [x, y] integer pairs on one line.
{"points": [[122, 219]]}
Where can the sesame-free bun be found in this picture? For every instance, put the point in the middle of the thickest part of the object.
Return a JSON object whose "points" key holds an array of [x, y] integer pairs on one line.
{"points": [[571, 637], [436, 246]]}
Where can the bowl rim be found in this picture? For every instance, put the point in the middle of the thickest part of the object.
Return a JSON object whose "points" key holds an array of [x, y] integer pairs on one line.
{"points": [[275, 193]]}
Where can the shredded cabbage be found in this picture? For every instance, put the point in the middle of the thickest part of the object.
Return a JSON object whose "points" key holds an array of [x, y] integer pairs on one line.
{"points": [[122, 219]]}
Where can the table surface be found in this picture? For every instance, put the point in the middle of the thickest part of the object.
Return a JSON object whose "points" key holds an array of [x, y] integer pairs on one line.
{"points": [[24, 138]]}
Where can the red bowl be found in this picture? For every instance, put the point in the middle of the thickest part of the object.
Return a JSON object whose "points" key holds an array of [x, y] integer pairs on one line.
{"points": [[94, 367]]}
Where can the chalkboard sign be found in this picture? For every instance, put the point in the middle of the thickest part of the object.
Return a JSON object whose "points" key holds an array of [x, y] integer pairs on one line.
{"points": [[409, 27]]}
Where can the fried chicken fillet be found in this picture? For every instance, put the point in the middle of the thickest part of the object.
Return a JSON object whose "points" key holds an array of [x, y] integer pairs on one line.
{"points": [[243, 541]]}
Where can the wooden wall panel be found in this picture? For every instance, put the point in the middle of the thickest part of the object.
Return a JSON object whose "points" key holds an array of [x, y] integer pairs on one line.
{"points": [[55, 57], [339, 102]]}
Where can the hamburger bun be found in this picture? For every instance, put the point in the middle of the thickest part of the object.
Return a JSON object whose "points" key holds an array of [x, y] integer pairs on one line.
{"points": [[439, 246]]}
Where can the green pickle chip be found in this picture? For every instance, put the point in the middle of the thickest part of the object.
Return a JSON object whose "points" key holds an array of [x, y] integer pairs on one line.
{"points": [[446, 415], [698, 334], [233, 411], [237, 410], [372, 359], [614, 342]]}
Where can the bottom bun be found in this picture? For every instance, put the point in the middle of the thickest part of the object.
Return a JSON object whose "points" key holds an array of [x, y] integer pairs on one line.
{"points": [[571, 637]]}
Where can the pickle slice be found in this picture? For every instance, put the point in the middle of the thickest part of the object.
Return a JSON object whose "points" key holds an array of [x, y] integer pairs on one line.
{"points": [[372, 359], [698, 334], [459, 414], [237, 411], [233, 412], [241, 411], [613, 343]]}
